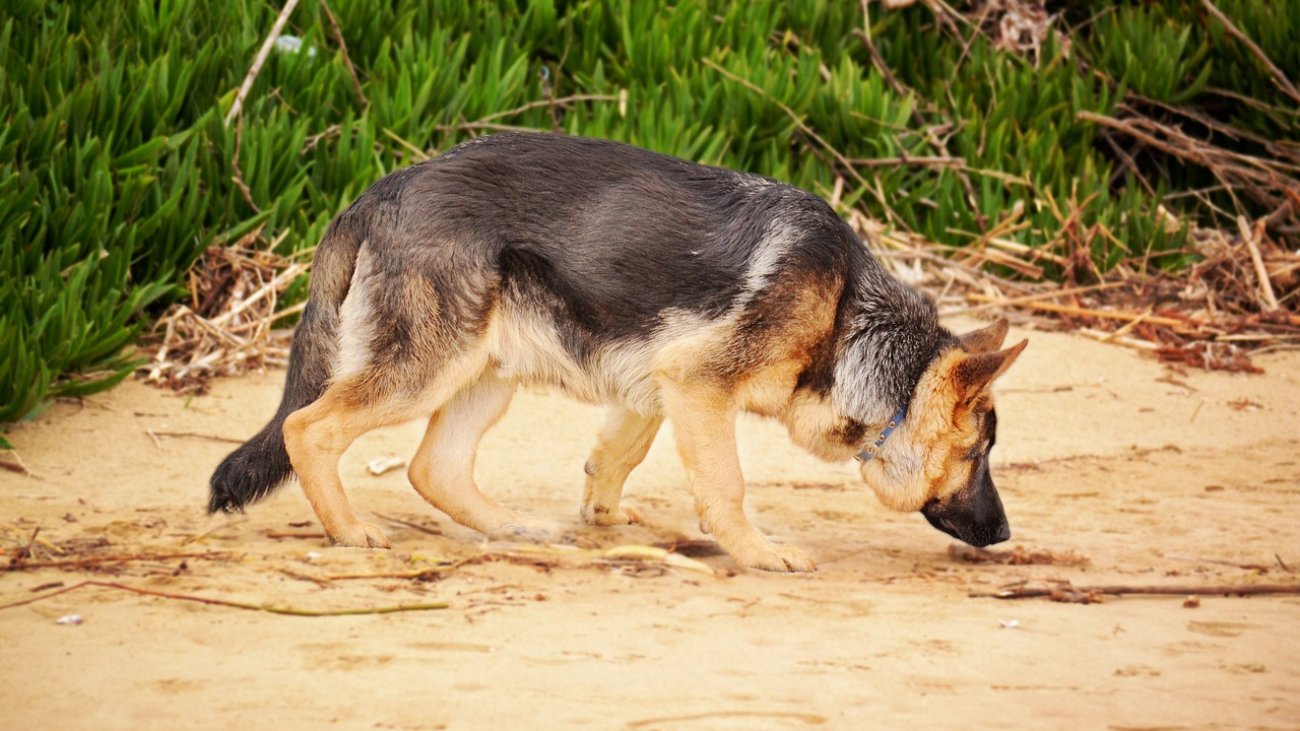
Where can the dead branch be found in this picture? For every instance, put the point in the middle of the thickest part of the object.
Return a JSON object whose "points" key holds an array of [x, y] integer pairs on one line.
{"points": [[237, 108], [1266, 289], [18, 564], [409, 524], [1080, 311], [195, 435], [291, 611], [1279, 78], [845, 164], [343, 48], [1180, 590], [239, 288], [1265, 179], [237, 174], [940, 161]]}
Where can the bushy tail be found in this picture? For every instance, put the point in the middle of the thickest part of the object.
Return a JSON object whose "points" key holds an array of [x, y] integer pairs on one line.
{"points": [[262, 464]]}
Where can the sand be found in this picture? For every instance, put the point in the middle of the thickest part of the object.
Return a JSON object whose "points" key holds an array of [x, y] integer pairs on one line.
{"points": [[1157, 477]]}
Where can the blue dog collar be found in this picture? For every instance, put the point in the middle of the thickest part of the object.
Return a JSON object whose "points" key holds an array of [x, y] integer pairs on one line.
{"points": [[893, 424]]}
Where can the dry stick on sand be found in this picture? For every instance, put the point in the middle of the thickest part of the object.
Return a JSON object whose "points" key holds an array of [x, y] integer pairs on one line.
{"points": [[1219, 562], [16, 465], [194, 435], [1028, 298], [291, 611], [20, 565], [409, 524], [1181, 590]]}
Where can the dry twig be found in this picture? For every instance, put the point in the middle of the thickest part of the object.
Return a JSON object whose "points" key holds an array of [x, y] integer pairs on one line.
{"points": [[226, 328], [343, 48], [1279, 78], [273, 609], [1080, 594], [237, 108], [81, 562]]}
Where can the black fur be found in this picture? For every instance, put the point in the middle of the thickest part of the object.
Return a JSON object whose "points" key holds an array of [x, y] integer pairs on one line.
{"points": [[261, 464]]}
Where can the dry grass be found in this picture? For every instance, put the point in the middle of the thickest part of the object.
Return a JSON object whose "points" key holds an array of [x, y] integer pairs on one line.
{"points": [[226, 327]]}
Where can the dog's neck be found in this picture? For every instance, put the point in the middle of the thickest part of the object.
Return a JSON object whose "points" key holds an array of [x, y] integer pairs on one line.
{"points": [[887, 334]]}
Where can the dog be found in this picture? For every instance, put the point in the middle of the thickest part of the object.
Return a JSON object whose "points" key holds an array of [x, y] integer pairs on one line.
{"points": [[662, 288]]}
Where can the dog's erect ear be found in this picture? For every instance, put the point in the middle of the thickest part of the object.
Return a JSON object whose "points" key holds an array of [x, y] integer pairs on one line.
{"points": [[975, 373], [985, 339]]}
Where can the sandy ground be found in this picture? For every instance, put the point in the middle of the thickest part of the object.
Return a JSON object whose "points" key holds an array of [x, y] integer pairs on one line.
{"points": [[1157, 477]]}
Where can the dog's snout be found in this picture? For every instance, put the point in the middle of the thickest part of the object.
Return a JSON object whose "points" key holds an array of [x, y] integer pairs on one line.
{"points": [[974, 515]]}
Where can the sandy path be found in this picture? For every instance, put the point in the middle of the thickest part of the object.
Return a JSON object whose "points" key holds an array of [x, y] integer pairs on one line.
{"points": [[1100, 452]]}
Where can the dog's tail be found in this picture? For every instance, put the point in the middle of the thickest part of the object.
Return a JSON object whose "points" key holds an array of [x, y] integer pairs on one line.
{"points": [[262, 464]]}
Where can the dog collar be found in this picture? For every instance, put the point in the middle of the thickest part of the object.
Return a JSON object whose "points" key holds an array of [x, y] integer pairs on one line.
{"points": [[875, 446]]}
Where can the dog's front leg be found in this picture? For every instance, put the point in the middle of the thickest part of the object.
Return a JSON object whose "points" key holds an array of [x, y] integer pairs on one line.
{"points": [[704, 423], [620, 447]]}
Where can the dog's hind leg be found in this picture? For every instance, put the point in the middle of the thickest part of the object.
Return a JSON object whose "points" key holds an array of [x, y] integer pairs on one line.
{"points": [[620, 447], [316, 437], [704, 422], [442, 470]]}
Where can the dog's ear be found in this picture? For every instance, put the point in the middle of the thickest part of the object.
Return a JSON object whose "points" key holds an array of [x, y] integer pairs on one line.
{"points": [[985, 339], [974, 373]]}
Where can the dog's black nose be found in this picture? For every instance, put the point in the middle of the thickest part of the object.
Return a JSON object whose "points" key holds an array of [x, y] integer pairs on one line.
{"points": [[1003, 534]]}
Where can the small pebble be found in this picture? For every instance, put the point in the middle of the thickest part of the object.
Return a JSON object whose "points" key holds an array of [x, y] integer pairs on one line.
{"points": [[69, 619]]}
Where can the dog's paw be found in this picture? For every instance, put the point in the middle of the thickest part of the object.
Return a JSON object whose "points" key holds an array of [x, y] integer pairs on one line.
{"points": [[602, 515], [776, 557], [361, 535]]}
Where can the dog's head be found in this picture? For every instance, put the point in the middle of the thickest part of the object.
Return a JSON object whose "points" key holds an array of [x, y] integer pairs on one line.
{"points": [[937, 461]]}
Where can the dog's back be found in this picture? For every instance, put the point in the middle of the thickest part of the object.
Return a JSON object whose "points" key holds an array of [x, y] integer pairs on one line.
{"points": [[582, 259]]}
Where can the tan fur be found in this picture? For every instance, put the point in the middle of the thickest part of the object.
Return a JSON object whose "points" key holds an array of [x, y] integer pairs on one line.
{"points": [[316, 437], [704, 422], [621, 446], [923, 460]]}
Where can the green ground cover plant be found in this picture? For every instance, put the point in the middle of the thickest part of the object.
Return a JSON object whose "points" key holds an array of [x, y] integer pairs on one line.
{"points": [[118, 168]]}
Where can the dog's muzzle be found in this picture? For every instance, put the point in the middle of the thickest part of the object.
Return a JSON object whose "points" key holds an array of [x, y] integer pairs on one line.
{"points": [[973, 514]]}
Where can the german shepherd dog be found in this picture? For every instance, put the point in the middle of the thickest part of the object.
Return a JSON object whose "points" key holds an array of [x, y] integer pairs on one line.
{"points": [[662, 288]]}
